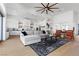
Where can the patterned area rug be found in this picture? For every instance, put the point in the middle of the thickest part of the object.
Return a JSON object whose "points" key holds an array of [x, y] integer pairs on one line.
{"points": [[43, 49]]}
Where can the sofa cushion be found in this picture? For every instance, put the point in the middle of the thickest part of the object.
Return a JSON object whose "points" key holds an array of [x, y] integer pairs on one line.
{"points": [[24, 33], [43, 31]]}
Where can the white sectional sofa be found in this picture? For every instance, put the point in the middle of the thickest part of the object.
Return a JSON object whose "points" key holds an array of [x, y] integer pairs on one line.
{"points": [[29, 39], [32, 37]]}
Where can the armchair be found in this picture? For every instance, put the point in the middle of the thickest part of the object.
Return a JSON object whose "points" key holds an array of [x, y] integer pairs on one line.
{"points": [[69, 34]]}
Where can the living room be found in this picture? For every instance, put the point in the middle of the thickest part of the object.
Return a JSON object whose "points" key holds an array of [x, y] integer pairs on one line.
{"points": [[27, 31]]}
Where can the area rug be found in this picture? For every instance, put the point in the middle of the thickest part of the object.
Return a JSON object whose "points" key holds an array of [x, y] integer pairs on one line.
{"points": [[43, 50]]}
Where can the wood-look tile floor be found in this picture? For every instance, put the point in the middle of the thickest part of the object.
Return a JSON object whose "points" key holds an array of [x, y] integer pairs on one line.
{"points": [[14, 47]]}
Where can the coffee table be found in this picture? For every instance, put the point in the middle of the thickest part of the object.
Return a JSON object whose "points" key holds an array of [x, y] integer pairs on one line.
{"points": [[48, 40]]}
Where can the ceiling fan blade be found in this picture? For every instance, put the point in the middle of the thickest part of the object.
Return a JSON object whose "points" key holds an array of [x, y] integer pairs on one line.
{"points": [[46, 11], [53, 5], [51, 10], [54, 8], [43, 4], [40, 9], [47, 4], [43, 11]]}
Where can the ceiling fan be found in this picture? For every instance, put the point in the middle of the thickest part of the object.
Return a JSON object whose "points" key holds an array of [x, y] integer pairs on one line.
{"points": [[46, 8]]}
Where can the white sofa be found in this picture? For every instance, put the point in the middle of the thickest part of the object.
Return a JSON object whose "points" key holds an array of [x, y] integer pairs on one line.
{"points": [[29, 39]]}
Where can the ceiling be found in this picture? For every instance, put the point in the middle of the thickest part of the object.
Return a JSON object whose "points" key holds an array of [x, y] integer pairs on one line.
{"points": [[28, 10], [2, 10]]}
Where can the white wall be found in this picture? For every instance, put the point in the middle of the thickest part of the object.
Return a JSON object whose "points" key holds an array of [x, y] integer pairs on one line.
{"points": [[2, 10], [77, 17], [4, 28], [64, 19], [12, 22], [76, 22], [0, 26]]}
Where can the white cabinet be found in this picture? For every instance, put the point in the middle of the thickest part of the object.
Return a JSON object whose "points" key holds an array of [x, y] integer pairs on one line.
{"points": [[14, 32]]}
